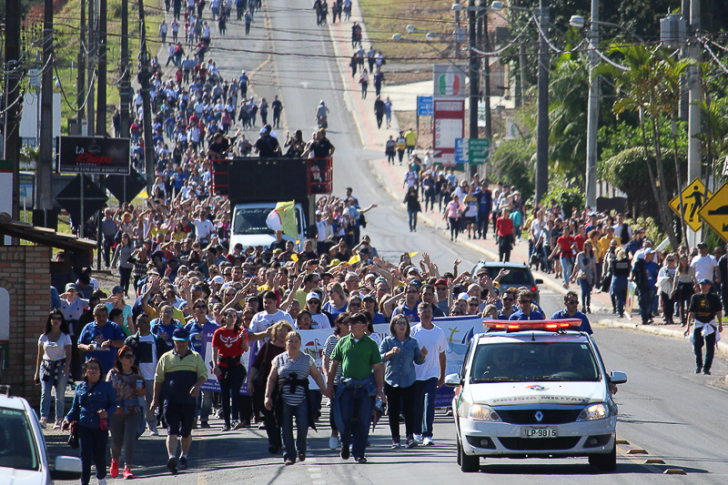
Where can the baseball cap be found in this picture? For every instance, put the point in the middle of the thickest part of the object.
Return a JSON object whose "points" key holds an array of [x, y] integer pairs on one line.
{"points": [[313, 296], [181, 335], [71, 286], [463, 296], [369, 297], [351, 276], [218, 279], [117, 289], [702, 244], [441, 281], [705, 281]]}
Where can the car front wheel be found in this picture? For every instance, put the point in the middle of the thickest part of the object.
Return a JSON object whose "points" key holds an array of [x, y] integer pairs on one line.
{"points": [[605, 462], [468, 463]]}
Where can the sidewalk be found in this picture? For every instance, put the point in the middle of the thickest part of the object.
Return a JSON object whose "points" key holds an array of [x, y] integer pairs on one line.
{"points": [[391, 177]]}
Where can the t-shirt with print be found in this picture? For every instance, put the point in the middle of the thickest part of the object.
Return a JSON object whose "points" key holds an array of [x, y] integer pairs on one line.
{"points": [[228, 344], [147, 353]]}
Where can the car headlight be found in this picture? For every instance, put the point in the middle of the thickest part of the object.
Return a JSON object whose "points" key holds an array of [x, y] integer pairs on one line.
{"points": [[481, 412], [595, 411]]}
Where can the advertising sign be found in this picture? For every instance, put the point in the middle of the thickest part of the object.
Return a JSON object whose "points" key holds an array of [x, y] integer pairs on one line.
{"points": [[449, 115], [449, 81], [86, 154]]}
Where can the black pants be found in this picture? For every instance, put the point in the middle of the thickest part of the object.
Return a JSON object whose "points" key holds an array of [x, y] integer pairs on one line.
{"points": [[380, 117], [698, 349], [395, 397], [668, 306], [93, 452], [230, 383], [124, 277]]}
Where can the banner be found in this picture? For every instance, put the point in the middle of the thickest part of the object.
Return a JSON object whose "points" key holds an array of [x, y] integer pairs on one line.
{"points": [[87, 154], [631, 297]]}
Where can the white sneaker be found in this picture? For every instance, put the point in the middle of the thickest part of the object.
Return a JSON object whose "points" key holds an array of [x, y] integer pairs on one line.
{"points": [[333, 442], [102, 481], [418, 438], [428, 441]]}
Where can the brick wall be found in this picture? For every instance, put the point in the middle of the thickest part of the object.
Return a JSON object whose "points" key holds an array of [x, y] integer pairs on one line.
{"points": [[25, 274]]}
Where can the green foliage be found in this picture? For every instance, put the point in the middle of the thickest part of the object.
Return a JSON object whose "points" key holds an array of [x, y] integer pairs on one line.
{"points": [[652, 229], [566, 198], [513, 165]]}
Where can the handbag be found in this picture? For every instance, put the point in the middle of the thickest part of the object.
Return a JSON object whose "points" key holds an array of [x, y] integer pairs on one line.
{"points": [[581, 275], [73, 436]]}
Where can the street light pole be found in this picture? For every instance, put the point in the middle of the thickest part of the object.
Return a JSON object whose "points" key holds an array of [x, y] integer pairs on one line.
{"points": [[542, 128], [592, 124], [474, 77]]}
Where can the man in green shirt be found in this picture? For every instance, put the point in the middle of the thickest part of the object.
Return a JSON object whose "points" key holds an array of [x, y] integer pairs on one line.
{"points": [[362, 380]]}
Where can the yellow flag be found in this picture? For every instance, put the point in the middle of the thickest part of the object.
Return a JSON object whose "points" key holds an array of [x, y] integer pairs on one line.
{"points": [[354, 259], [294, 257], [283, 218], [412, 255]]}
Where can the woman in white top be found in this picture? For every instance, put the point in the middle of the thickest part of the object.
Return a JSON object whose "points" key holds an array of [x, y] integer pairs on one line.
{"points": [[52, 366]]}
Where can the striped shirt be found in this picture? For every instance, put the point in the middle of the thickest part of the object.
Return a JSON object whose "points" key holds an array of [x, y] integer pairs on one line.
{"points": [[329, 347], [301, 367]]}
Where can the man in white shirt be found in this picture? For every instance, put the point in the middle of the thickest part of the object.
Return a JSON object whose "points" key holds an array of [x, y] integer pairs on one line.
{"points": [[203, 228], [430, 375], [270, 315], [324, 230], [705, 265]]}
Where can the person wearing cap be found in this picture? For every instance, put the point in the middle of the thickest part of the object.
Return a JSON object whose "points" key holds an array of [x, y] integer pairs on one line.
{"points": [[408, 308], [369, 303], [72, 307], [705, 265], [641, 278], [705, 312], [117, 302], [362, 380], [319, 318], [444, 295], [430, 375], [179, 376], [101, 338]]}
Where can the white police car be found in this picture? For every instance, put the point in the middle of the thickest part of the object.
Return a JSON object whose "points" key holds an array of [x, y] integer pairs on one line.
{"points": [[536, 390], [23, 458]]}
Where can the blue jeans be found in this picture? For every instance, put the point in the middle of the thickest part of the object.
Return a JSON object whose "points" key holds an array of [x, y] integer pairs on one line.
{"points": [[301, 413], [586, 289], [412, 219], [93, 443], [425, 392], [567, 264], [45, 396], [355, 402]]}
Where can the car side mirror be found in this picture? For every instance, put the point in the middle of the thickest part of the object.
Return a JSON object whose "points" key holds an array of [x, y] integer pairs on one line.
{"points": [[618, 377], [539, 281], [66, 468], [453, 380]]}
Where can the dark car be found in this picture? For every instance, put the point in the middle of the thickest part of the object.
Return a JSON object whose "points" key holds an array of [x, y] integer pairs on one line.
{"points": [[519, 275]]}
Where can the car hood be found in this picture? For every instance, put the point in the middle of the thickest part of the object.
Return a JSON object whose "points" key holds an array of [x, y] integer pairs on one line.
{"points": [[550, 392], [11, 476]]}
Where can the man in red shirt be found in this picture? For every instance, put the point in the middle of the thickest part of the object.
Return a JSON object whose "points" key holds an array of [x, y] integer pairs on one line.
{"points": [[504, 232], [564, 246]]}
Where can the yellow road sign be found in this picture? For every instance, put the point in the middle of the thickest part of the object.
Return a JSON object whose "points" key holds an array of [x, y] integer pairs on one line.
{"points": [[693, 200], [715, 212]]}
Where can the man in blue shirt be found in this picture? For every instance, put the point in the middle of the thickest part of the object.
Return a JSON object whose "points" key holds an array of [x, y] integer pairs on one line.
{"points": [[571, 311], [526, 312], [409, 307], [101, 338]]}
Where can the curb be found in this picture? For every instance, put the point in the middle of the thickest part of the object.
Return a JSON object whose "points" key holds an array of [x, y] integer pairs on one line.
{"points": [[722, 348]]}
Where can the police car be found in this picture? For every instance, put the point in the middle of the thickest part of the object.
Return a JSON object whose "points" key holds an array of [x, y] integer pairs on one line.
{"points": [[23, 458], [536, 390]]}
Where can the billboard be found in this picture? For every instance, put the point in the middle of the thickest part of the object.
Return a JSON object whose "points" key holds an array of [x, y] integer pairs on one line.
{"points": [[448, 120], [88, 154]]}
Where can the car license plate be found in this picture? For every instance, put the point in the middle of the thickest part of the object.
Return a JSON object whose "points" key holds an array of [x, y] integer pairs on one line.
{"points": [[531, 432]]}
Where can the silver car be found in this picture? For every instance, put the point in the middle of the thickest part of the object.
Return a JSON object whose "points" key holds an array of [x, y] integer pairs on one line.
{"points": [[536, 390]]}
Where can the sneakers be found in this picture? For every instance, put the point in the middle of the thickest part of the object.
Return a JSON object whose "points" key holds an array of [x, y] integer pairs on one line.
{"points": [[114, 468], [697, 370], [58, 424], [43, 422], [172, 465], [238, 424], [204, 424], [344, 452], [153, 432], [183, 463], [395, 444], [706, 372], [428, 441], [226, 428], [127, 473], [101, 481], [360, 459], [418, 438], [411, 442], [333, 442]]}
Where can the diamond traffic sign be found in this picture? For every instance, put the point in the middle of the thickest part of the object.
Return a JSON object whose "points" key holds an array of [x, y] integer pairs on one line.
{"points": [[715, 212], [126, 187], [71, 198], [694, 198], [478, 150]]}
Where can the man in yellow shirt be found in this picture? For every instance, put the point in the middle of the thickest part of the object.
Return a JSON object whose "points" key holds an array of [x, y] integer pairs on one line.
{"points": [[607, 239], [410, 140]]}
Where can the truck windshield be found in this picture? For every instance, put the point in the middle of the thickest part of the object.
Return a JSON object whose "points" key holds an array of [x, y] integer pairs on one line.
{"points": [[249, 220], [518, 362]]}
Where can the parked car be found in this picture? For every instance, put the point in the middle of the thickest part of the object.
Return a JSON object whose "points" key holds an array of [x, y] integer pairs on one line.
{"points": [[23, 455]]}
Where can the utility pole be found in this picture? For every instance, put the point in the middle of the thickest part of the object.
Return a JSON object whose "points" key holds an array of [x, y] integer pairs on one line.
{"points": [[694, 115], [486, 71], [542, 128], [124, 81], [81, 72], [101, 42], [43, 198], [91, 58], [456, 34], [592, 122], [11, 145], [144, 76], [474, 76]]}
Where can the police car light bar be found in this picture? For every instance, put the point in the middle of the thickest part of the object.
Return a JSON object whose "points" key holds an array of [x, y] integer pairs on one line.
{"points": [[548, 325]]}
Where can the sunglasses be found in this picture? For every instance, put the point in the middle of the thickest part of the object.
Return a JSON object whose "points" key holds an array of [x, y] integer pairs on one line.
{"points": [[572, 302], [473, 304], [524, 301], [127, 356], [508, 299], [200, 307]]}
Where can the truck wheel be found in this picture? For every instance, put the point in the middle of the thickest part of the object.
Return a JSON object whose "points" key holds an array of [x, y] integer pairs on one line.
{"points": [[468, 463], [605, 462]]}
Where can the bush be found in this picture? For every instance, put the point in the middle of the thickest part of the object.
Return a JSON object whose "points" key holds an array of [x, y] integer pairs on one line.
{"points": [[566, 198]]}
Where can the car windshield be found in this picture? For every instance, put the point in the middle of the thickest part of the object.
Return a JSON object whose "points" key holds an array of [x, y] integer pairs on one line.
{"points": [[252, 221], [515, 276], [17, 445], [534, 361]]}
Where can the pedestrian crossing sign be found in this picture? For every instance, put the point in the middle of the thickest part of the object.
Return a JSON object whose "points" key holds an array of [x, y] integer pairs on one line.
{"points": [[715, 212], [693, 198]]}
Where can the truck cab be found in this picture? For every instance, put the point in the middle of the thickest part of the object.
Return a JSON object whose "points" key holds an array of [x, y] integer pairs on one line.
{"points": [[249, 228]]}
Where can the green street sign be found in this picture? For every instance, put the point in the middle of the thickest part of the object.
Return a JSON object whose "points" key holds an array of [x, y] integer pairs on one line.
{"points": [[478, 150]]}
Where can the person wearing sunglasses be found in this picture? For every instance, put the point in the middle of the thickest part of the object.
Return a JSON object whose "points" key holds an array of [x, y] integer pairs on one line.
{"points": [[527, 310], [129, 384], [571, 311], [508, 298], [409, 307]]}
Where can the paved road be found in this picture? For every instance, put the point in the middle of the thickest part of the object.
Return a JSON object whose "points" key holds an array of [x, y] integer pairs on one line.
{"points": [[665, 409]]}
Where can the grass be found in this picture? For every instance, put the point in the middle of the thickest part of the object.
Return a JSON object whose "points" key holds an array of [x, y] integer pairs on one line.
{"points": [[67, 28], [428, 16]]}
